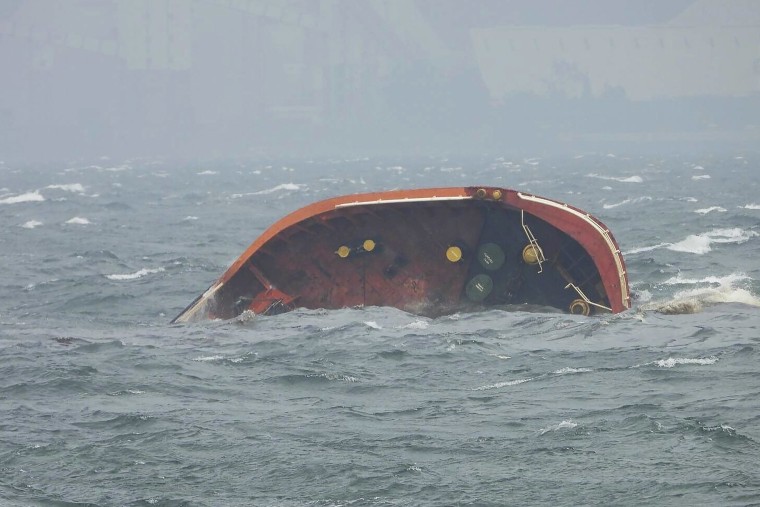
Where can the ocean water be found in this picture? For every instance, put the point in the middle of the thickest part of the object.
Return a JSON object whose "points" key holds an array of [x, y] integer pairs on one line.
{"points": [[103, 402]]}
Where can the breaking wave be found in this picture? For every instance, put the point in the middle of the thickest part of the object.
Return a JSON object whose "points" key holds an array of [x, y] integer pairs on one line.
{"points": [[78, 221], [564, 425], [135, 275], [27, 197], [673, 361], [499, 385], [705, 211], [628, 201], [31, 224], [701, 243], [71, 187], [279, 188], [707, 291], [568, 370], [628, 179]]}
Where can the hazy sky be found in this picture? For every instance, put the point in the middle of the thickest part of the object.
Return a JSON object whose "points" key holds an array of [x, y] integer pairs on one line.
{"points": [[219, 78]]}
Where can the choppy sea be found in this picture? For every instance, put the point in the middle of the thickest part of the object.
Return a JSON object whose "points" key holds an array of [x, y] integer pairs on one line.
{"points": [[104, 402]]}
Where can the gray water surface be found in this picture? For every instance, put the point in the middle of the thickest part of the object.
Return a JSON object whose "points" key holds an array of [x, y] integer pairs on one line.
{"points": [[103, 402]]}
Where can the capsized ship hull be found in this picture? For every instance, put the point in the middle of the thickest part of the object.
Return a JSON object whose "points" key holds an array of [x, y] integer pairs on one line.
{"points": [[430, 252]]}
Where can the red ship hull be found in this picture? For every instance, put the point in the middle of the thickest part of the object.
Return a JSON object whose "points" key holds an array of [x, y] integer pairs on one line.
{"points": [[428, 252]]}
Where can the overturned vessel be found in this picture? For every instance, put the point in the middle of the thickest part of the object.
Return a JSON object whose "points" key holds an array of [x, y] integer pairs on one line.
{"points": [[430, 252]]}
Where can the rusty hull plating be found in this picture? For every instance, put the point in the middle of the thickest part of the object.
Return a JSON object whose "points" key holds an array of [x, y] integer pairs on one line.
{"points": [[427, 251]]}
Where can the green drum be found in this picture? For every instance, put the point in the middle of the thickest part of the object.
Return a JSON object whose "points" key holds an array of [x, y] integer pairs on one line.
{"points": [[490, 256], [478, 288]]}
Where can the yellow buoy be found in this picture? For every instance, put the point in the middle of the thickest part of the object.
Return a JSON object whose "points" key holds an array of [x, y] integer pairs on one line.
{"points": [[530, 254], [343, 251], [368, 245], [580, 307], [454, 253], [496, 194]]}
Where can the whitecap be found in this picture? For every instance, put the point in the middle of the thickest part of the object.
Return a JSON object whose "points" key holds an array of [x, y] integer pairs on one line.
{"points": [[31, 224], [278, 188], [135, 275], [730, 279], [627, 201], [27, 197], [71, 187], [715, 295], [705, 211], [207, 173], [78, 221], [701, 177], [204, 359], [559, 426], [751, 206], [190, 217], [499, 385], [708, 290], [610, 206], [723, 427], [372, 324], [701, 243], [567, 370], [627, 179], [417, 324], [645, 249], [673, 361]]}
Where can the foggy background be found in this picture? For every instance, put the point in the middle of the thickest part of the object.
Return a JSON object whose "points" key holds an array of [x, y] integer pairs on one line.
{"points": [[249, 78]]}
